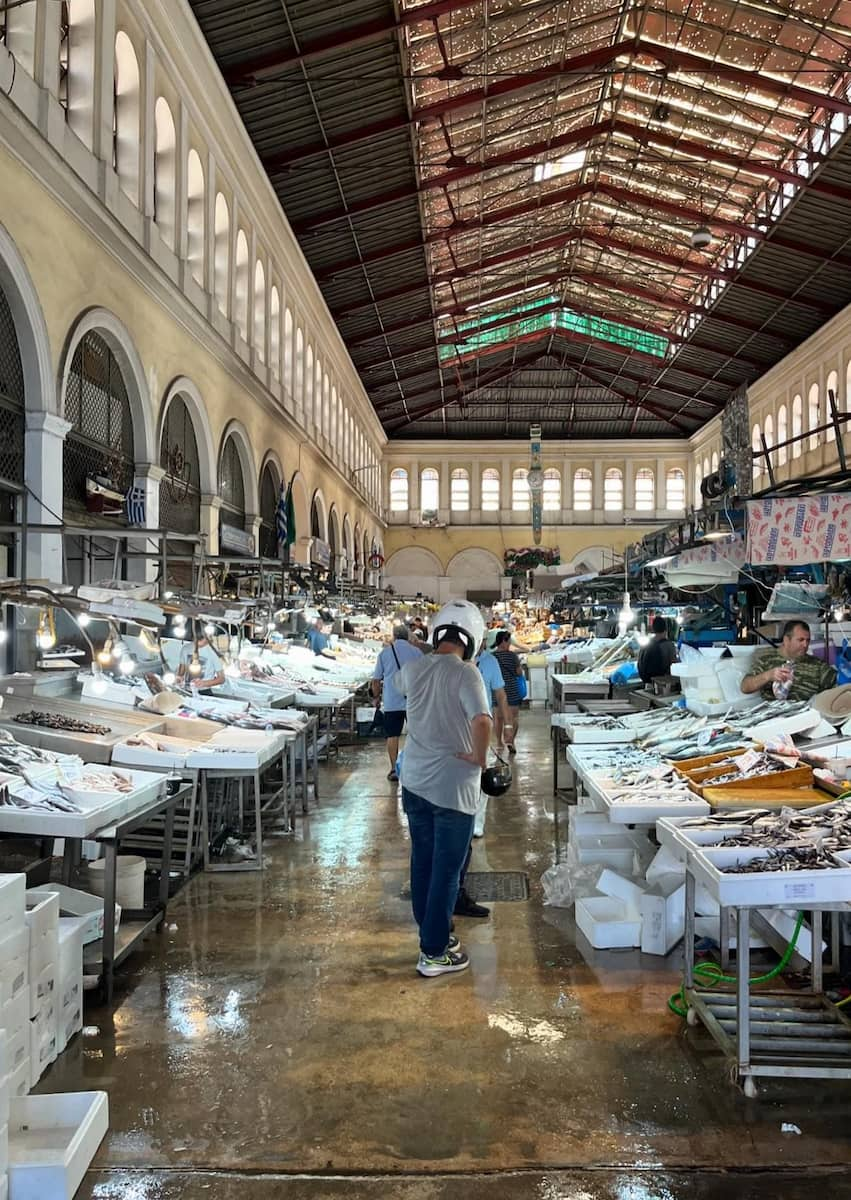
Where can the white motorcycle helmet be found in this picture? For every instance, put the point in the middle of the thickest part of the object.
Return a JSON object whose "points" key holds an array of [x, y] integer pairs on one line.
{"points": [[463, 616]]}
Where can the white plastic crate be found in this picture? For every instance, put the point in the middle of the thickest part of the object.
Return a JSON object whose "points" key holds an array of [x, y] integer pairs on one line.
{"points": [[662, 915], [606, 923], [606, 852], [85, 907], [52, 1141]]}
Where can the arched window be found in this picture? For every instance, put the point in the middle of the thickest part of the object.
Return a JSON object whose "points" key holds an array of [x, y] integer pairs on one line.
{"points": [[315, 519], [275, 333], [195, 208], [77, 67], [698, 480], [231, 485], [832, 385], [645, 490], [317, 397], [582, 490], [490, 490], [180, 488], [288, 350], [813, 415], [782, 435], [521, 497], [398, 489], [332, 436], [270, 491], [165, 158], [12, 407], [846, 407], [756, 446], [99, 445], [326, 409], [769, 437], [259, 309], [299, 366], [797, 425], [613, 490], [429, 491], [705, 467], [241, 269], [675, 490], [221, 253], [459, 490], [714, 460], [551, 495], [308, 385], [125, 116]]}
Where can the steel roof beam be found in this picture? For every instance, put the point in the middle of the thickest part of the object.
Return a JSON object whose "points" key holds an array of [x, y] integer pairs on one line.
{"points": [[494, 377], [276, 61], [581, 64], [575, 137]]}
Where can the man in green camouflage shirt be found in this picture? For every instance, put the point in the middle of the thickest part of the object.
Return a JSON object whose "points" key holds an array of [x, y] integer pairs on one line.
{"points": [[811, 674]]}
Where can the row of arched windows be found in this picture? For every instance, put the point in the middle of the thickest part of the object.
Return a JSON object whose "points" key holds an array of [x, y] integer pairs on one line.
{"points": [[165, 170], [644, 499], [790, 422]]}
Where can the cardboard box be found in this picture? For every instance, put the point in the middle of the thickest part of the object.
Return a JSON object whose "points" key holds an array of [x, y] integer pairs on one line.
{"points": [[663, 915]]}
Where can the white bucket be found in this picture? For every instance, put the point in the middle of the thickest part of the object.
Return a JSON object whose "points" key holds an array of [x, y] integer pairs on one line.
{"points": [[129, 880]]}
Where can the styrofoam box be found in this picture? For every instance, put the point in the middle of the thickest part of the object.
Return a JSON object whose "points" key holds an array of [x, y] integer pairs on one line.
{"points": [[70, 989], [42, 914], [606, 923], [70, 1023], [17, 1049], [52, 1141], [619, 888], [16, 1014], [19, 1079], [763, 888], [44, 951], [13, 890], [607, 852], [662, 915], [43, 1051], [43, 989], [14, 963], [82, 906]]}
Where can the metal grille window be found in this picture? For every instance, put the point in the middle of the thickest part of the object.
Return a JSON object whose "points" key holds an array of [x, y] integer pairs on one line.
{"points": [[582, 484], [99, 444], [180, 490], [490, 490], [520, 496], [11, 399], [270, 490], [398, 490], [613, 490], [459, 491], [429, 490], [232, 485], [552, 490], [675, 490], [315, 523], [645, 490]]}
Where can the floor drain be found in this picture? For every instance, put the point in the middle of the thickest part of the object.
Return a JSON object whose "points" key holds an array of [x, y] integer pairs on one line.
{"points": [[497, 885]]}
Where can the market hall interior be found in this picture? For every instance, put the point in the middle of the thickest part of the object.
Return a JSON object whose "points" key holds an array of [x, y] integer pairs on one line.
{"points": [[274, 1040]]}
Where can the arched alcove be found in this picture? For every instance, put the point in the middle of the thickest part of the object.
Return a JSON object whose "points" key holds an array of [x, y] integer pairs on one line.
{"points": [[412, 570], [301, 512], [475, 573]]}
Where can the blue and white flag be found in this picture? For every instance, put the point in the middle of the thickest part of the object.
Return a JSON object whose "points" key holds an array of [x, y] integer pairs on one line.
{"points": [[285, 519], [134, 505]]}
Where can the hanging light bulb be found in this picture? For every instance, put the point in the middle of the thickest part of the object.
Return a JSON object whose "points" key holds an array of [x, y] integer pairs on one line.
{"points": [[126, 666], [209, 629], [119, 651], [45, 637], [104, 656], [626, 614], [169, 679], [149, 642], [195, 665], [83, 619]]}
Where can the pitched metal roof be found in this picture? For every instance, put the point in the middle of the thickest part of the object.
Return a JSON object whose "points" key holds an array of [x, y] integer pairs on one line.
{"points": [[498, 196]]}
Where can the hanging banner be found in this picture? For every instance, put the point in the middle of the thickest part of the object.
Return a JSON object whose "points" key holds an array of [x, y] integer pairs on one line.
{"points": [[320, 554], [714, 562], [794, 532]]}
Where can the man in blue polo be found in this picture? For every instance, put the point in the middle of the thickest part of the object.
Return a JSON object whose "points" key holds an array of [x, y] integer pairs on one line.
{"points": [[390, 661]]}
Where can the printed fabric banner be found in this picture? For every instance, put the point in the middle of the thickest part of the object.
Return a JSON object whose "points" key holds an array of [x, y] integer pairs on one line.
{"points": [[793, 532]]}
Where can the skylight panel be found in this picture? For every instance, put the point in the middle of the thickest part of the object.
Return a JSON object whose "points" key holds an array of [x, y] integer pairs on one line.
{"points": [[565, 165]]}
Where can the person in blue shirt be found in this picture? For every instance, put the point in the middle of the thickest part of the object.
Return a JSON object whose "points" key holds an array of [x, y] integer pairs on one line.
{"points": [[391, 659], [317, 638]]}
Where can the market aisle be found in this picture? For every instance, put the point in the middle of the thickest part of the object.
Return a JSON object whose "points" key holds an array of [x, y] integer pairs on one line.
{"points": [[279, 1028]]}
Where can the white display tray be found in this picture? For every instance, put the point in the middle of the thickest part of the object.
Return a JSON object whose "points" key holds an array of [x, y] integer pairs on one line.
{"points": [[52, 1141], [765, 889], [587, 731], [269, 746], [103, 811], [648, 812]]}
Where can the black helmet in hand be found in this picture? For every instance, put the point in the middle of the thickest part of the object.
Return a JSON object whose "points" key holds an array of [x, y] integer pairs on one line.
{"points": [[496, 780]]}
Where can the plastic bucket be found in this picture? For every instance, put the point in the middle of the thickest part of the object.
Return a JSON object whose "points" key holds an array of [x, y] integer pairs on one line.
{"points": [[129, 880]]}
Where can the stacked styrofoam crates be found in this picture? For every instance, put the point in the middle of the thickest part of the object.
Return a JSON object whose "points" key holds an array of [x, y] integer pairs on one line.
{"points": [[4, 1118], [14, 984], [42, 916], [69, 991]]}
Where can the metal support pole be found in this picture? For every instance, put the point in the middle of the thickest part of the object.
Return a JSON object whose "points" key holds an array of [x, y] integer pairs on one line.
{"points": [[837, 428]]}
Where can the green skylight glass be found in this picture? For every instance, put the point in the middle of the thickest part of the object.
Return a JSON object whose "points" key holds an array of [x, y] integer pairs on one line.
{"points": [[498, 328]]}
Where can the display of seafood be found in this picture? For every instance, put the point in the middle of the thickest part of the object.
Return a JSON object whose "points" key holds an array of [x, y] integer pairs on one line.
{"points": [[59, 722], [788, 858], [15, 756], [31, 798], [764, 764]]}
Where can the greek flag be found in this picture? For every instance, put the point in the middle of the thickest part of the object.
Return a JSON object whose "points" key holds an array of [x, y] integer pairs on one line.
{"points": [[285, 519], [134, 505]]}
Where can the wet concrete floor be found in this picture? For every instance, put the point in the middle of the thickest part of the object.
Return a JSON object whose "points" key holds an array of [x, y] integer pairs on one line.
{"points": [[274, 1040]]}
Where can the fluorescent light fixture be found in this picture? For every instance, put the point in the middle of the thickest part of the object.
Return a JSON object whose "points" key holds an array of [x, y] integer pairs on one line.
{"points": [[718, 535], [574, 161], [660, 562]]}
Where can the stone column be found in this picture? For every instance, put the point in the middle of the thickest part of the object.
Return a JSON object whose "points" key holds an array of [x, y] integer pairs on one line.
{"points": [[148, 477], [44, 439], [210, 508]]}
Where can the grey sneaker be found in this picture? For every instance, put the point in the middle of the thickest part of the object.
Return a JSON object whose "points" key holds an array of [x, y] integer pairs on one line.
{"points": [[453, 945], [443, 964]]}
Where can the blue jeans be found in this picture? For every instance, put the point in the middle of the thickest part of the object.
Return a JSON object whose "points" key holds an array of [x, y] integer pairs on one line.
{"points": [[440, 838]]}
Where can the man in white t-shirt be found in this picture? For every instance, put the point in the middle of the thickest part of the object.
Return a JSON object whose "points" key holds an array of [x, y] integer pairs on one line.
{"points": [[449, 728]]}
